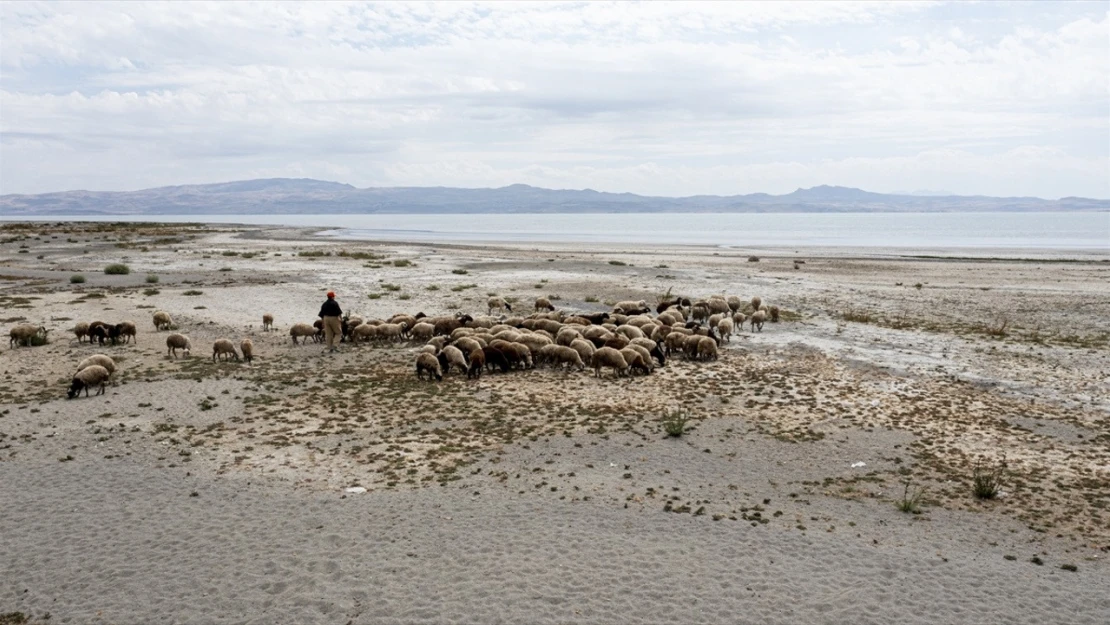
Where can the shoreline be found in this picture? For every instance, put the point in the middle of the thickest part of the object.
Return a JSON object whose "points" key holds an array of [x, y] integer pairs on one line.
{"points": [[547, 495]]}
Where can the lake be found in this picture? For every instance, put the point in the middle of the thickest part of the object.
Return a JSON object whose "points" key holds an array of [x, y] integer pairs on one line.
{"points": [[1047, 231]]}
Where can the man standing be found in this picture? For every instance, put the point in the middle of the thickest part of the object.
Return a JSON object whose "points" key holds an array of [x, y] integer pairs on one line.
{"points": [[333, 328]]}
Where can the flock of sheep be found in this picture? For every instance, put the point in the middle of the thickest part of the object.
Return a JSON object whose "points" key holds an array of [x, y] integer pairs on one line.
{"points": [[628, 340]]}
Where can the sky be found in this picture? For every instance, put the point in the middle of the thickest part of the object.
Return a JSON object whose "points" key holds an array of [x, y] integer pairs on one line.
{"points": [[992, 98]]}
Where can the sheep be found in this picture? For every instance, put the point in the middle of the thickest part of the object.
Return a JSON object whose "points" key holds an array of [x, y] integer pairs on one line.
{"points": [[653, 348], [724, 327], [542, 303], [364, 332], [773, 312], [98, 360], [636, 360], [439, 342], [630, 332], [718, 304], [23, 333], [447, 326], [670, 318], [757, 319], [567, 335], [224, 347], [390, 331], [115, 332], [162, 320], [495, 358], [566, 356], [81, 330], [675, 341], [498, 303], [699, 311], [427, 363], [302, 330], [584, 348], [428, 349], [734, 303], [609, 357], [318, 331], [93, 375], [596, 318], [128, 330], [707, 348], [98, 332], [477, 363], [714, 319], [451, 355], [247, 347], [422, 331], [632, 308], [535, 342], [267, 322], [467, 344], [739, 318], [756, 301]]}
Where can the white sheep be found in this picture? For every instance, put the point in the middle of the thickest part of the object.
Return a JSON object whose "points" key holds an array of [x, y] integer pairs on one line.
{"points": [[100, 360], [542, 303], [611, 358], [81, 330], [756, 302], [724, 328], [498, 303], [584, 348], [757, 319], [267, 322], [247, 347], [451, 355], [23, 333], [175, 342], [302, 330], [631, 308], [93, 375], [225, 348], [128, 330], [427, 363], [162, 320]]}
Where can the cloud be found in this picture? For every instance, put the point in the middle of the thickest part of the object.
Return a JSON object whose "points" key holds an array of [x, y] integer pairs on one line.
{"points": [[668, 98]]}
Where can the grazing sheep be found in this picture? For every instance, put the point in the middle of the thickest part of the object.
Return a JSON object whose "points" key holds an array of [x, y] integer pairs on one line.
{"points": [[93, 375], [567, 335], [422, 331], [81, 330], [267, 322], [584, 348], [699, 311], [758, 317], [302, 330], [115, 332], [542, 303], [467, 344], [632, 308], [756, 301], [451, 355], [364, 332], [391, 332], [636, 360], [98, 330], [739, 318], [23, 333], [498, 303], [495, 358], [611, 358], [247, 347], [318, 334], [773, 312], [225, 348], [707, 348], [427, 363], [449, 325], [563, 355], [128, 331], [477, 363], [630, 332], [724, 327], [653, 349], [734, 303], [100, 360], [162, 320]]}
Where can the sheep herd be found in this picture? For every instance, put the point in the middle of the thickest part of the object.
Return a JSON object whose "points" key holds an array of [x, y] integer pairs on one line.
{"points": [[628, 340]]}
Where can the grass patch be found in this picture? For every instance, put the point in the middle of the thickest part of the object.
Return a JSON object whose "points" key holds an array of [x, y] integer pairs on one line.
{"points": [[404, 296], [459, 272], [674, 423], [152, 278], [225, 268], [403, 262], [360, 255], [986, 481], [374, 295], [859, 316], [314, 253], [618, 263], [193, 292], [431, 287], [149, 292], [590, 298], [910, 502], [77, 279], [117, 269], [463, 287], [391, 287], [229, 253]]}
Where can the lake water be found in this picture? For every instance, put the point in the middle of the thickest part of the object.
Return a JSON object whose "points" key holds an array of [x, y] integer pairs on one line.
{"points": [[1048, 231]]}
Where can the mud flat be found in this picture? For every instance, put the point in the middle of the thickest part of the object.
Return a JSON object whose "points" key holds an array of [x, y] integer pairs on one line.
{"points": [[202, 492]]}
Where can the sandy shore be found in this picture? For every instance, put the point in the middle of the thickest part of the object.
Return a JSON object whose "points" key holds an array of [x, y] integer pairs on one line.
{"points": [[198, 492]]}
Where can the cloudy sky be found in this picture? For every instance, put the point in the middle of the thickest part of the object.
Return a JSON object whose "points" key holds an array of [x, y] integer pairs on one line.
{"points": [[663, 99]]}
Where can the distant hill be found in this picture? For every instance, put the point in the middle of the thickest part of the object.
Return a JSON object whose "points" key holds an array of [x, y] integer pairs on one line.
{"points": [[288, 195]]}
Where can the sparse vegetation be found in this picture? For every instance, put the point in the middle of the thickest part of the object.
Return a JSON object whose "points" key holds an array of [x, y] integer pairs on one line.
{"points": [[403, 262], [459, 272], [987, 480], [77, 279], [117, 269], [193, 292], [910, 502], [151, 278], [674, 422]]}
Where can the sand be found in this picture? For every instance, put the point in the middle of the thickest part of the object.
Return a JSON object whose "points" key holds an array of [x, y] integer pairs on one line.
{"points": [[201, 492]]}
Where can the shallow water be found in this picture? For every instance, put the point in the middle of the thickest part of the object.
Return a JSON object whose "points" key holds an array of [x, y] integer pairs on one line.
{"points": [[1057, 230]]}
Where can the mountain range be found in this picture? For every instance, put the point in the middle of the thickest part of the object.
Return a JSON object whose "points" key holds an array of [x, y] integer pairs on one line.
{"points": [[291, 196]]}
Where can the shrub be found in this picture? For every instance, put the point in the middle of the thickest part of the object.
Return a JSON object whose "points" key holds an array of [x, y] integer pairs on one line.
{"points": [[403, 262], [674, 423], [149, 292], [753, 259], [459, 272], [986, 482], [374, 295], [911, 499], [151, 278], [618, 263], [225, 268], [432, 287], [193, 292], [38, 340], [117, 269], [590, 298], [391, 287], [77, 279], [404, 296], [229, 253]]}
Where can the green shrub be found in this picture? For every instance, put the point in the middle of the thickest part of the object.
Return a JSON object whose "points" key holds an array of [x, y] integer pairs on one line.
{"points": [[193, 292], [986, 481], [911, 499], [405, 296], [151, 278], [618, 263], [117, 269], [149, 292], [77, 279], [403, 262], [674, 423], [459, 272]]}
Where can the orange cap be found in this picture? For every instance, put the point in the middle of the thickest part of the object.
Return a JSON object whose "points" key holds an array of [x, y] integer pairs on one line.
{"points": [[331, 293]]}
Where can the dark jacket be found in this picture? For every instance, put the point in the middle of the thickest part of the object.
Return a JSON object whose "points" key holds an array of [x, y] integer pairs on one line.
{"points": [[330, 309]]}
